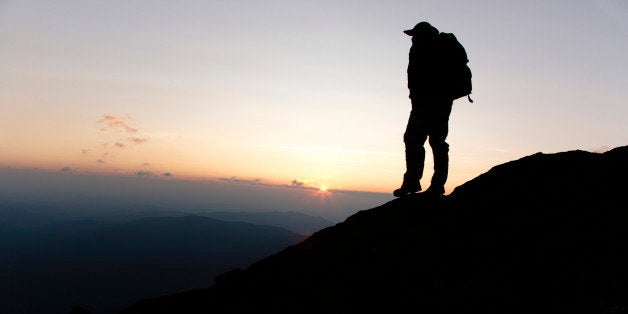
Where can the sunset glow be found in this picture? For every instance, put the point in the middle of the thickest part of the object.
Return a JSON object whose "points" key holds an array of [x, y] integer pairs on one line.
{"points": [[214, 89]]}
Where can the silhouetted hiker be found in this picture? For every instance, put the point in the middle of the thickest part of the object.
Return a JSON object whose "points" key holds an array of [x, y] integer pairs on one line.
{"points": [[437, 75]]}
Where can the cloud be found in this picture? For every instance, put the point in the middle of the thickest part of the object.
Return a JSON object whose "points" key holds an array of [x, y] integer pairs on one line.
{"points": [[167, 174], [100, 161], [294, 184], [238, 180], [146, 164], [65, 169], [109, 122], [144, 174], [120, 134], [138, 140]]}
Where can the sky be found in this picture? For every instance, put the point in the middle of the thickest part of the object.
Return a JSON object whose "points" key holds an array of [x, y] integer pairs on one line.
{"points": [[298, 93]]}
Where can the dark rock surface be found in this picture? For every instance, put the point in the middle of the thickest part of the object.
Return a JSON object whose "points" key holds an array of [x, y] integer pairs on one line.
{"points": [[547, 233]]}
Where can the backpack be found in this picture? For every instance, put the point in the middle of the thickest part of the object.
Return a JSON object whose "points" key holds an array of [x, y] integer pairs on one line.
{"points": [[457, 78]]}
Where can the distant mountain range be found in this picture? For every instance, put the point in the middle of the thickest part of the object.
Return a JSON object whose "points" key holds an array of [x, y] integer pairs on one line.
{"points": [[543, 234], [294, 221], [107, 265], [33, 214]]}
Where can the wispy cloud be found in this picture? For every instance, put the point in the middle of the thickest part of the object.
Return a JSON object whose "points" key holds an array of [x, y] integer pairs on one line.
{"points": [[305, 184], [167, 174], [146, 164], [294, 184], [238, 180], [100, 161], [119, 133], [118, 123], [145, 174], [66, 169], [138, 140]]}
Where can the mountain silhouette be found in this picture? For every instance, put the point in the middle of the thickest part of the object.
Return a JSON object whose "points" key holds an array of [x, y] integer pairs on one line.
{"points": [[108, 265], [290, 220], [543, 234]]}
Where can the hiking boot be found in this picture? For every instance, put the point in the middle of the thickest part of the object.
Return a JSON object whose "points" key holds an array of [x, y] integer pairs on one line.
{"points": [[406, 189], [435, 190]]}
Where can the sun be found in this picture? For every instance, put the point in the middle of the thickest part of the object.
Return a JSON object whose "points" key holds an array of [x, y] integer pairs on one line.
{"points": [[323, 189]]}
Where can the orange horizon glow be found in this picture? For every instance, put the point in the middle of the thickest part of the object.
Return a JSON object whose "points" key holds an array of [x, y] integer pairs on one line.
{"points": [[153, 172]]}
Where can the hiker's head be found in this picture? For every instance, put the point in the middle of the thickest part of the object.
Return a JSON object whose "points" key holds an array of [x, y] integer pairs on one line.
{"points": [[423, 30]]}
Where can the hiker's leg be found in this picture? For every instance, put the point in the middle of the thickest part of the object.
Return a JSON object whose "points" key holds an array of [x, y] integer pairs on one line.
{"points": [[440, 148], [414, 139]]}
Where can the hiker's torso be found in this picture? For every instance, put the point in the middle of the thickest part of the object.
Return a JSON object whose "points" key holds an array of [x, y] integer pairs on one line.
{"points": [[425, 69]]}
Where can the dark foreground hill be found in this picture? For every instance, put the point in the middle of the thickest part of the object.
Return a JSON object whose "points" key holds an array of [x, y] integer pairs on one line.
{"points": [[547, 233]]}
